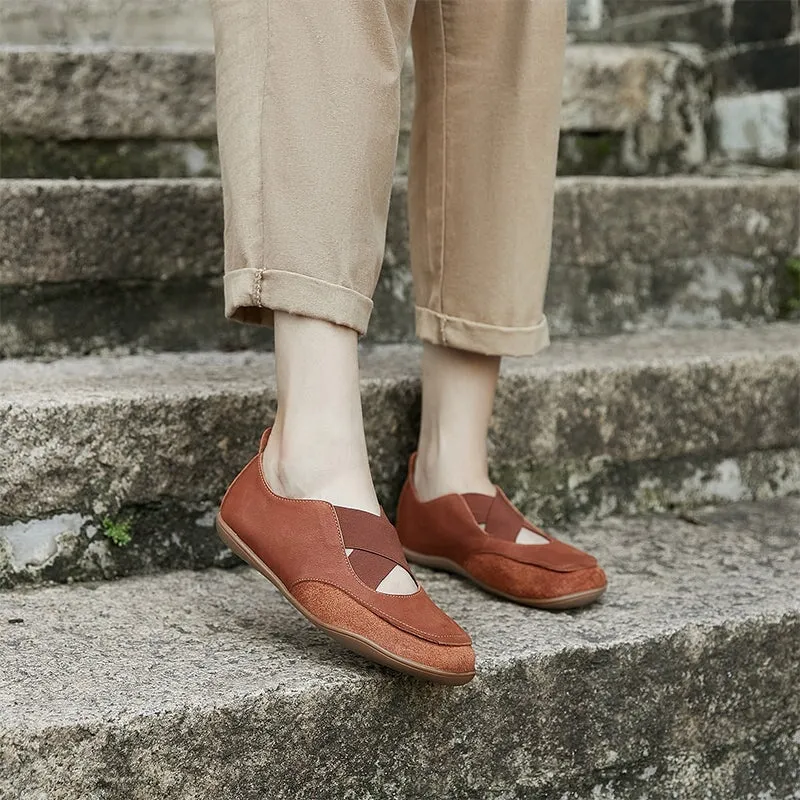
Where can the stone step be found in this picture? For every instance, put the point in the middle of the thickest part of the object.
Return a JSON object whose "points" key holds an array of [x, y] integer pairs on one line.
{"points": [[626, 109], [680, 684], [95, 448], [126, 23], [91, 265], [752, 49]]}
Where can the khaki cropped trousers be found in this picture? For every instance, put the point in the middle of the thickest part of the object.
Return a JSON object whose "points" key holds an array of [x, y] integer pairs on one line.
{"points": [[308, 99]]}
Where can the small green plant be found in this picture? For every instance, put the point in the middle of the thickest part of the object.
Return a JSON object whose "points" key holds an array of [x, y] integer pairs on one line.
{"points": [[793, 268], [118, 532]]}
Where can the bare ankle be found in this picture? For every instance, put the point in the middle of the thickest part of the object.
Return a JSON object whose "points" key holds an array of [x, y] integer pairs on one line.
{"points": [[320, 467], [435, 476]]}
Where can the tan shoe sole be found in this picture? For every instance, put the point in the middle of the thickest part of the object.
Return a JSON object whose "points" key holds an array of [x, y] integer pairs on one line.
{"points": [[551, 603], [352, 641]]}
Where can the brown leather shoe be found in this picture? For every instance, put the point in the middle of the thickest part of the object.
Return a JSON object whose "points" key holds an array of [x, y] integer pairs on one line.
{"points": [[300, 546], [474, 535]]}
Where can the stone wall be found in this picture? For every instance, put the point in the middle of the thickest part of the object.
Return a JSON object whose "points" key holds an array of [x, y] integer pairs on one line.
{"points": [[729, 70], [752, 50]]}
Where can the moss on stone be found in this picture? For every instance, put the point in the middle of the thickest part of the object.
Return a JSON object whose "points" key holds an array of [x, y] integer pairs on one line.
{"points": [[590, 153], [118, 531]]}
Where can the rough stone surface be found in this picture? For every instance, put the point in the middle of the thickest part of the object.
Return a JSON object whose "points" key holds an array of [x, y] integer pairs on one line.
{"points": [[51, 320], [135, 230], [794, 126], [584, 14], [754, 127], [112, 93], [580, 153], [586, 429], [746, 47], [119, 159], [751, 47], [659, 99], [702, 252], [679, 685], [55, 231], [701, 22], [170, 534], [761, 67], [101, 93], [66, 548], [126, 23], [733, 216]]}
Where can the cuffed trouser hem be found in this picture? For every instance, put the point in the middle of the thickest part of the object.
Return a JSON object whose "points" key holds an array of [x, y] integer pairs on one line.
{"points": [[479, 337], [252, 295]]}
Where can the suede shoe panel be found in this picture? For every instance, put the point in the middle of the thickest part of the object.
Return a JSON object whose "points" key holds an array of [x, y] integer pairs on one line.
{"points": [[336, 608], [302, 540], [530, 582], [448, 528]]}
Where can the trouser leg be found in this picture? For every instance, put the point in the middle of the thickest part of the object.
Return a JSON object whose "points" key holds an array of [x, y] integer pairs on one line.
{"points": [[488, 77], [308, 109]]}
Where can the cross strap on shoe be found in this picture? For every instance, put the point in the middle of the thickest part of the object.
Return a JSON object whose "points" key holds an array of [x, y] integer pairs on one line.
{"points": [[501, 523], [371, 544], [328, 562], [475, 535]]}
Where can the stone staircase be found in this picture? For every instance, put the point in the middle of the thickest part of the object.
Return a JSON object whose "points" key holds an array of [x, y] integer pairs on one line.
{"points": [[661, 430], [136, 110], [628, 255], [207, 685]]}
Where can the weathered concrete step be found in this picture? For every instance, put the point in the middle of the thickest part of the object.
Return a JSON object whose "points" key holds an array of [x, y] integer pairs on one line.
{"points": [[137, 264], [162, 22], [587, 429], [106, 22], [681, 684], [168, 92], [650, 103]]}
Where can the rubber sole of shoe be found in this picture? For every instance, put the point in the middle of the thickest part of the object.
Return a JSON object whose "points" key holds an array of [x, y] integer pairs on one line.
{"points": [[352, 641], [551, 603]]}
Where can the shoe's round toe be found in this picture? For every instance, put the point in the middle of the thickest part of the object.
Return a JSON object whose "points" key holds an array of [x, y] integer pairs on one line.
{"points": [[363, 631], [536, 585]]}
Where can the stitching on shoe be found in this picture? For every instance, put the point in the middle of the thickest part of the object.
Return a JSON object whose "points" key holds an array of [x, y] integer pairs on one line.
{"points": [[570, 567], [264, 483], [379, 612]]}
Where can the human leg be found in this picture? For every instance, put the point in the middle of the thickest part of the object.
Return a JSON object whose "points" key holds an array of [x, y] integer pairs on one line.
{"points": [[481, 190], [308, 116]]}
